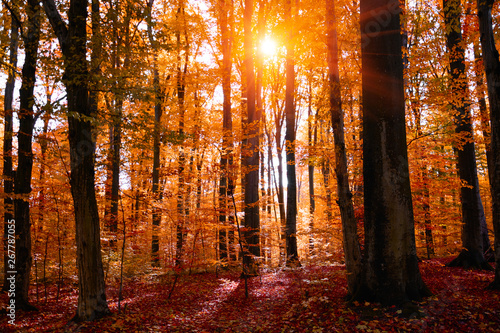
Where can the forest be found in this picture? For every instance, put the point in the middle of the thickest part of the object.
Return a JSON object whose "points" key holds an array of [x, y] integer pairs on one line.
{"points": [[250, 165]]}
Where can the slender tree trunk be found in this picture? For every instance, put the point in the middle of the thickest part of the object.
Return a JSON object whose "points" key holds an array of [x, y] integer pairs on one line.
{"points": [[182, 209], [157, 196], [483, 110], [352, 251], [325, 171], [22, 179], [390, 269], [423, 172], [429, 239], [485, 129], [292, 255], [311, 139], [251, 154], [472, 255], [92, 302], [8, 184], [156, 214], [226, 181], [492, 69], [280, 190]]}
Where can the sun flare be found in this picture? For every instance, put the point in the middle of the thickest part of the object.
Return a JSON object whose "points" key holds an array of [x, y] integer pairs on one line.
{"points": [[268, 47]]}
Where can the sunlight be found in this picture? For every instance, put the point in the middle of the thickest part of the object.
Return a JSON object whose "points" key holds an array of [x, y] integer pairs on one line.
{"points": [[268, 47]]}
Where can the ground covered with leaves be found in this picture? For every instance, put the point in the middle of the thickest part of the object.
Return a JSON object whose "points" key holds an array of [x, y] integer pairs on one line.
{"points": [[308, 299]]}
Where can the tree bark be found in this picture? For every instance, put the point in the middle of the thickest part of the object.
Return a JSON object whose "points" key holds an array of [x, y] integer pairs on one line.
{"points": [[311, 140], [226, 184], [279, 116], [250, 154], [390, 269], [485, 129], [92, 302], [292, 255], [182, 196], [492, 69], [158, 108], [472, 255], [8, 184], [352, 250], [22, 179]]}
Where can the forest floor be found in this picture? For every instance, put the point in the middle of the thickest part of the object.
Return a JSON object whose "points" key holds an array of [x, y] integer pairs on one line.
{"points": [[308, 299]]}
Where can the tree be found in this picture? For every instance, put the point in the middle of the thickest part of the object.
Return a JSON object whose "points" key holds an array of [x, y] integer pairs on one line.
{"points": [[158, 107], [390, 272], [72, 38], [7, 139], [492, 70], [352, 251], [120, 61], [182, 49], [292, 256], [22, 179], [250, 154], [226, 184], [472, 254]]}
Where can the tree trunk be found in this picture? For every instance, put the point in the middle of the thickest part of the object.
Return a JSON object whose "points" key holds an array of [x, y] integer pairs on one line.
{"points": [[311, 140], [8, 184], [250, 154], [292, 255], [423, 171], [226, 184], [472, 255], [280, 190], [352, 250], [429, 239], [156, 213], [182, 202], [22, 179], [92, 302], [390, 270], [485, 129], [492, 69]]}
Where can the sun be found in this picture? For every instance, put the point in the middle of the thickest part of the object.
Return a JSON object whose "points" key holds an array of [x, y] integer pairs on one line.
{"points": [[268, 47]]}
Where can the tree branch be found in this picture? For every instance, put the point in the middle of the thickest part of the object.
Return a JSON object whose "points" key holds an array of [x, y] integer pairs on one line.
{"points": [[15, 16], [57, 23]]}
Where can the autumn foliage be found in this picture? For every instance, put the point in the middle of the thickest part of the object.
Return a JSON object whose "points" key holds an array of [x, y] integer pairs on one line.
{"points": [[208, 130]]}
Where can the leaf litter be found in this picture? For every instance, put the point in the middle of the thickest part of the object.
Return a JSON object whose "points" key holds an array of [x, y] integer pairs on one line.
{"points": [[309, 299]]}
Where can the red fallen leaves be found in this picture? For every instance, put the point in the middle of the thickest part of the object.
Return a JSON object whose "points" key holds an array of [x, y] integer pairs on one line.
{"points": [[300, 300]]}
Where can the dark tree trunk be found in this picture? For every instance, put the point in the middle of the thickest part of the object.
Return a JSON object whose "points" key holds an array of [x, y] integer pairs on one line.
{"points": [[325, 171], [156, 214], [429, 239], [250, 154], [390, 269], [352, 250], [22, 179], [483, 110], [182, 194], [311, 140], [472, 255], [492, 69], [485, 129], [115, 168], [92, 302], [280, 189], [226, 181], [8, 184], [423, 171], [292, 255]]}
